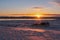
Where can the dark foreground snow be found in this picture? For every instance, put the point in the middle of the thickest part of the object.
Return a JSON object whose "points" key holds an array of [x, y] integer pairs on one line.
{"points": [[20, 30], [13, 33]]}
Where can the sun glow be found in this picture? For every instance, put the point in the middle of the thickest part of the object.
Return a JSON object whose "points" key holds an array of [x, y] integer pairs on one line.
{"points": [[38, 16]]}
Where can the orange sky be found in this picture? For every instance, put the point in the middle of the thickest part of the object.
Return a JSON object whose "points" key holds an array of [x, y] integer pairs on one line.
{"points": [[29, 7], [41, 15]]}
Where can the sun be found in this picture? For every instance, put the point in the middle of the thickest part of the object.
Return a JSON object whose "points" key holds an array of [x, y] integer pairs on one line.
{"points": [[38, 16]]}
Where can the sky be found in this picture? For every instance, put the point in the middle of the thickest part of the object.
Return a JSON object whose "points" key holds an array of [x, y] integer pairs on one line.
{"points": [[10, 7]]}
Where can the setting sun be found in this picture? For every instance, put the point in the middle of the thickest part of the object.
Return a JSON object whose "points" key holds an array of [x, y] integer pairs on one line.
{"points": [[38, 16]]}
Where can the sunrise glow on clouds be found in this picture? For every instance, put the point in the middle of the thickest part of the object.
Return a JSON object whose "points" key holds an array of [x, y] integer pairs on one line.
{"points": [[10, 7]]}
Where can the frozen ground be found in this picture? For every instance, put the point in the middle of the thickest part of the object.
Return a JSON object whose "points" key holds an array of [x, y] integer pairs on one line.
{"points": [[21, 30]]}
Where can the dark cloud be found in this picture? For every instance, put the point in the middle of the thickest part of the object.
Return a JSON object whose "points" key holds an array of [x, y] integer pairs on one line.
{"points": [[37, 7], [57, 2]]}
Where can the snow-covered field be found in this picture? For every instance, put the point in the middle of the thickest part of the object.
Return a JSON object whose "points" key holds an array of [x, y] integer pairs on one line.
{"points": [[22, 30]]}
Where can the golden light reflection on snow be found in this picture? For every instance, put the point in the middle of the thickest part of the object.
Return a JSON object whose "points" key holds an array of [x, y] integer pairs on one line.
{"points": [[26, 29]]}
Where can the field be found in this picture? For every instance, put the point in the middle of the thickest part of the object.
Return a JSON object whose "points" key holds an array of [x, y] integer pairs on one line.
{"points": [[22, 30]]}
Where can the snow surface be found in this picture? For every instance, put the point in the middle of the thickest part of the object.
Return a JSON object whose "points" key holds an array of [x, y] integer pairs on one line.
{"points": [[22, 30]]}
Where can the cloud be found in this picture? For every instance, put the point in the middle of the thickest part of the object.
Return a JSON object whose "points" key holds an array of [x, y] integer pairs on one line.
{"points": [[37, 7], [55, 2]]}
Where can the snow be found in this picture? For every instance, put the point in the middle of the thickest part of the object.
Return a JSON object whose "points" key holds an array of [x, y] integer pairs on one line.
{"points": [[21, 30]]}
